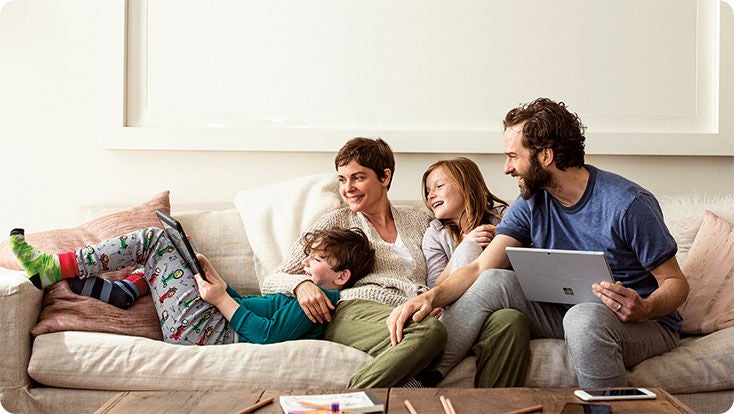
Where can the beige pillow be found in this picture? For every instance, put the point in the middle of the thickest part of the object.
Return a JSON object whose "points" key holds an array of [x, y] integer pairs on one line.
{"points": [[63, 310], [275, 215], [221, 236], [709, 268]]}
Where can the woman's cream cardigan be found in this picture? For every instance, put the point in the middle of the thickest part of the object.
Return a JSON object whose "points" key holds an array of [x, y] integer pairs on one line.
{"points": [[388, 283]]}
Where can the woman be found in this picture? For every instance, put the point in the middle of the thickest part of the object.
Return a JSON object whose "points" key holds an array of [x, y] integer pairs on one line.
{"points": [[365, 169]]}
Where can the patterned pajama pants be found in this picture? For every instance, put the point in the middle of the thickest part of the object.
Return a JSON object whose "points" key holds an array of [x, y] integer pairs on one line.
{"points": [[185, 318]]}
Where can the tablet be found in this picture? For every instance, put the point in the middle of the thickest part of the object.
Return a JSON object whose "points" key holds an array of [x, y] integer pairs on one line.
{"points": [[559, 276], [180, 241]]}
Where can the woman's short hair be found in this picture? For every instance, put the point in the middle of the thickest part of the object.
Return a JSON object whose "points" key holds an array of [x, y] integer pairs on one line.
{"points": [[374, 154]]}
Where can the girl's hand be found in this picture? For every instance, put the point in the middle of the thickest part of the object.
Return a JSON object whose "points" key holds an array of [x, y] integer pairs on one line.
{"points": [[214, 289], [481, 235]]}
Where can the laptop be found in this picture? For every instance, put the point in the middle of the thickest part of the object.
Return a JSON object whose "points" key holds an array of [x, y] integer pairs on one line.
{"points": [[559, 276], [180, 241]]}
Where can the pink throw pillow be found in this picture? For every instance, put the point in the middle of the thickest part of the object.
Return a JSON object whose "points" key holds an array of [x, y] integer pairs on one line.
{"points": [[709, 268]]}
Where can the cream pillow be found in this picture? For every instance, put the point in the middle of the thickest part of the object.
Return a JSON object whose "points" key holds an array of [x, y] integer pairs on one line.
{"points": [[709, 268], [275, 215]]}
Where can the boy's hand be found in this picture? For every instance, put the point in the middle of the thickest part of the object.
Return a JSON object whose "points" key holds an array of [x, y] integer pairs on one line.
{"points": [[214, 289]]}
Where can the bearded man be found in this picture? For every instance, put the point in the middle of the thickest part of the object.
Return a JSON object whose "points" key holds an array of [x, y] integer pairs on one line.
{"points": [[569, 205]]}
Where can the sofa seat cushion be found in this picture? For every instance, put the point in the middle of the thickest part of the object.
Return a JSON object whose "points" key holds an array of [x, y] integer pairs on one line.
{"points": [[700, 363], [86, 360], [550, 366]]}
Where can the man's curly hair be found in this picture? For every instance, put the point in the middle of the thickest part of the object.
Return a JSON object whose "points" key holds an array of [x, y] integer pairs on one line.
{"points": [[549, 124]]}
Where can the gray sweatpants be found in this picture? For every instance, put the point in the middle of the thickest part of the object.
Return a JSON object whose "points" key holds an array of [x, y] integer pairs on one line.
{"points": [[601, 345]]}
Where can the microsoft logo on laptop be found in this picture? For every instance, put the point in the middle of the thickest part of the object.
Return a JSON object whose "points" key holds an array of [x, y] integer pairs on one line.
{"points": [[568, 291]]}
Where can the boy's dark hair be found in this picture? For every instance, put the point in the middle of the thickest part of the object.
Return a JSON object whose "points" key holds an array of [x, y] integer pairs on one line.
{"points": [[349, 248], [374, 154], [550, 124]]}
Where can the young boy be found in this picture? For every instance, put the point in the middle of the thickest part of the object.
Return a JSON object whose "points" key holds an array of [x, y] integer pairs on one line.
{"points": [[191, 310]]}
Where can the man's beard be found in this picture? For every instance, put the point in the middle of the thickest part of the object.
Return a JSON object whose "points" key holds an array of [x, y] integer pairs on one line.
{"points": [[535, 179]]}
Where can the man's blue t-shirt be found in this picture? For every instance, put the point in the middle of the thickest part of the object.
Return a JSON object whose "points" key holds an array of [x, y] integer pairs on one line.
{"points": [[614, 216]]}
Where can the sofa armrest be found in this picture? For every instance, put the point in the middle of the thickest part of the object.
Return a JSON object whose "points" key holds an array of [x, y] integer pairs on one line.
{"points": [[20, 304]]}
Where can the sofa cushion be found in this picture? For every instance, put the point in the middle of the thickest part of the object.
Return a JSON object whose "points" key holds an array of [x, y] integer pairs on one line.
{"points": [[84, 360], [709, 268], [19, 304], [550, 365], [221, 237], [683, 216], [700, 363], [64, 310]]}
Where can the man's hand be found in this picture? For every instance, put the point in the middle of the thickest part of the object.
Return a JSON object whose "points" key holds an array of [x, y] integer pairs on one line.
{"points": [[626, 303], [314, 302], [417, 308]]}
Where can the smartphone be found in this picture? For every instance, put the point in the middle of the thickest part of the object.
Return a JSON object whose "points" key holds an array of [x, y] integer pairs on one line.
{"points": [[580, 408], [615, 394]]}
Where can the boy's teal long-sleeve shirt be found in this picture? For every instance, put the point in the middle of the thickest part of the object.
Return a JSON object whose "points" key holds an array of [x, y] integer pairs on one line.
{"points": [[274, 318]]}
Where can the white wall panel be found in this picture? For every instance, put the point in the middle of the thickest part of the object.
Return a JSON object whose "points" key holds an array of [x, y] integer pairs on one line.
{"points": [[433, 76]]}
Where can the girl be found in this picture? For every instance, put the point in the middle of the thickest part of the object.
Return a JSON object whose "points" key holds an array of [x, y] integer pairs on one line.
{"points": [[466, 214]]}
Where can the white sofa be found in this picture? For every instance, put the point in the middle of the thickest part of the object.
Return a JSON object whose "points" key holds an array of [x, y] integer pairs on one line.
{"points": [[74, 371]]}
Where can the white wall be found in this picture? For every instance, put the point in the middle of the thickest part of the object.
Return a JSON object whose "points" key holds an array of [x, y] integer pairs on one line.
{"points": [[53, 162]]}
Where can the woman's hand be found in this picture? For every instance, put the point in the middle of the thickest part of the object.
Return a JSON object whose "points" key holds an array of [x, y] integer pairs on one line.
{"points": [[314, 302], [482, 235]]}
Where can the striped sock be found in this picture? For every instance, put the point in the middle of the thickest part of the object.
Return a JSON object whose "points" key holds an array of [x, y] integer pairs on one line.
{"points": [[120, 293], [43, 269]]}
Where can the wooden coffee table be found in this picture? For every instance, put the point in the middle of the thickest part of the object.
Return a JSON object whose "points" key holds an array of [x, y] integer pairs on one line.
{"points": [[502, 400], [424, 400]]}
